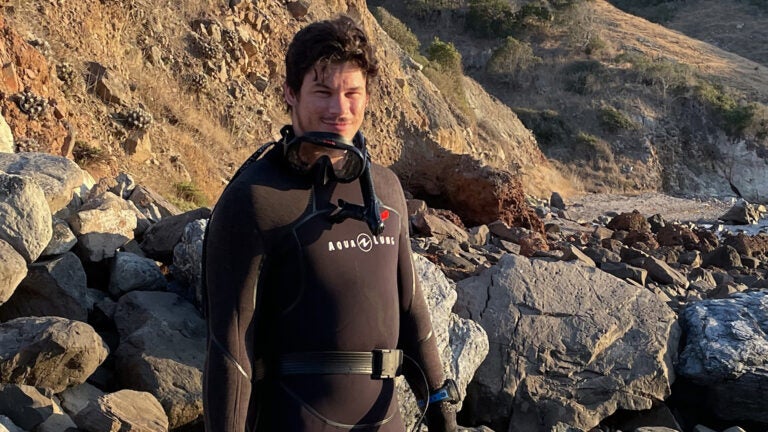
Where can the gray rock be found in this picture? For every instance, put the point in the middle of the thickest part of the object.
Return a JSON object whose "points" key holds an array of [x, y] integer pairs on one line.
{"points": [[152, 204], [62, 240], [74, 399], [572, 253], [625, 271], [602, 255], [742, 213], [661, 272], [162, 237], [162, 351], [725, 257], [125, 185], [55, 287], [57, 176], [479, 235], [49, 352], [13, 271], [103, 224], [462, 343], [556, 200], [57, 422], [25, 218], [7, 425], [25, 405], [569, 344], [124, 410], [188, 258], [726, 352], [129, 272], [438, 227]]}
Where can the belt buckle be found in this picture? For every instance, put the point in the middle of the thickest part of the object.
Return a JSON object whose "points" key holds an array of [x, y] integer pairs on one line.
{"points": [[386, 363]]}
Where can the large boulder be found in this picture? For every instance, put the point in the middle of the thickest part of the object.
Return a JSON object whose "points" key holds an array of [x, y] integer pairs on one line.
{"points": [[462, 343], [569, 344], [742, 213], [726, 352], [57, 176], [124, 410], [188, 259], [12, 272], [478, 193], [55, 287], [25, 218], [49, 352], [162, 237], [162, 351], [25, 405], [102, 225], [129, 272]]}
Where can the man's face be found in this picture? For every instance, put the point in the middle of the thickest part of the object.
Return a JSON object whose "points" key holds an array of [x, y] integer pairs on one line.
{"points": [[332, 99]]}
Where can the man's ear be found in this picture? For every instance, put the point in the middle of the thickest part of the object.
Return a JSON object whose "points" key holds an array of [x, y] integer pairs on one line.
{"points": [[289, 95]]}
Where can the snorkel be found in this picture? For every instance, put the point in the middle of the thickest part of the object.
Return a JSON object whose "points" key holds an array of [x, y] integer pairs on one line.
{"points": [[355, 165]]}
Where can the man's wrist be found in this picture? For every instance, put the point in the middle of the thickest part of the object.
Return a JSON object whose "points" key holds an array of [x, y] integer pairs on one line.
{"points": [[448, 392]]}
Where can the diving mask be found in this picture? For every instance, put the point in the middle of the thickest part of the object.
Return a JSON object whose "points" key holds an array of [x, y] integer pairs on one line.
{"points": [[306, 151]]}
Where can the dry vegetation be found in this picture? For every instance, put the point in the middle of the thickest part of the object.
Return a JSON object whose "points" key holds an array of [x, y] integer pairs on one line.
{"points": [[594, 83]]}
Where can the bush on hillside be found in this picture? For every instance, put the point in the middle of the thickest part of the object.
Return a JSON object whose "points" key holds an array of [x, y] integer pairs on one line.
{"points": [[548, 126], [735, 117], [189, 196], [664, 74], [613, 120], [490, 18], [584, 76], [593, 150], [398, 31], [511, 58], [445, 71], [445, 56]]}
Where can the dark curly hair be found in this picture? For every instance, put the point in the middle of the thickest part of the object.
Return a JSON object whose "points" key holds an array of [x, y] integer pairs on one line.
{"points": [[335, 41]]}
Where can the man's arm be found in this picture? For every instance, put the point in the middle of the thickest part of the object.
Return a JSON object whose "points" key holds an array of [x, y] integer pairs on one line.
{"points": [[233, 254], [417, 338]]}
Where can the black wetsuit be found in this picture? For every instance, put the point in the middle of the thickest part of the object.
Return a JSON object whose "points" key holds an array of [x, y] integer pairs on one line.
{"points": [[281, 278]]}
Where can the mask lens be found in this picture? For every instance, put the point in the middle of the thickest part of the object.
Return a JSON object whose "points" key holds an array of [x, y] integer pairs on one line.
{"points": [[347, 161]]}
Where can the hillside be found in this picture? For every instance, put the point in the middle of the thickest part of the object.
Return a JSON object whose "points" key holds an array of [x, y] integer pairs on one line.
{"points": [[618, 102], [610, 102], [210, 77]]}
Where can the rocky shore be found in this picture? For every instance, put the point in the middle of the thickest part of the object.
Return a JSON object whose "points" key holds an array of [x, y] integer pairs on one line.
{"points": [[570, 321]]}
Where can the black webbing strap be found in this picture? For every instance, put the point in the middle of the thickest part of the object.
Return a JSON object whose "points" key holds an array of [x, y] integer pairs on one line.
{"points": [[380, 364]]}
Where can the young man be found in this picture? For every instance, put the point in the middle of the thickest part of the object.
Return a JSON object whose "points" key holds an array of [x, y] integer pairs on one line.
{"points": [[311, 296]]}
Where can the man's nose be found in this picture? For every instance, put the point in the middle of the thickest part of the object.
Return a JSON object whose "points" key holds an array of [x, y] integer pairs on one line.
{"points": [[338, 104]]}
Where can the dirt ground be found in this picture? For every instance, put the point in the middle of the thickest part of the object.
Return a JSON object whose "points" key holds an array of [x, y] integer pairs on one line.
{"points": [[588, 207]]}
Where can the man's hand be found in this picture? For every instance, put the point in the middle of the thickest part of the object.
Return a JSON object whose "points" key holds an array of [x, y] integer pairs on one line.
{"points": [[441, 417]]}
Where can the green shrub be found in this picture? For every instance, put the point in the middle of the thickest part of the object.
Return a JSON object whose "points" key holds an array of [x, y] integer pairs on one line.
{"points": [[613, 120], [592, 149], [490, 18], [511, 57], [584, 76], [189, 192], [398, 31], [445, 56], [663, 74], [548, 126], [735, 117]]}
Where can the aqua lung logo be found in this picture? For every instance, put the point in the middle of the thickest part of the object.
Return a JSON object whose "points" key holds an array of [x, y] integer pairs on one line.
{"points": [[363, 241]]}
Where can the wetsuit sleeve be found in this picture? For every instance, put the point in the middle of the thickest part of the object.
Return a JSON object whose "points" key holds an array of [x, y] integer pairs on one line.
{"points": [[233, 256]]}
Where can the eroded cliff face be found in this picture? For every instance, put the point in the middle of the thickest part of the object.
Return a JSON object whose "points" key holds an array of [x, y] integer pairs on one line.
{"points": [[210, 76]]}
